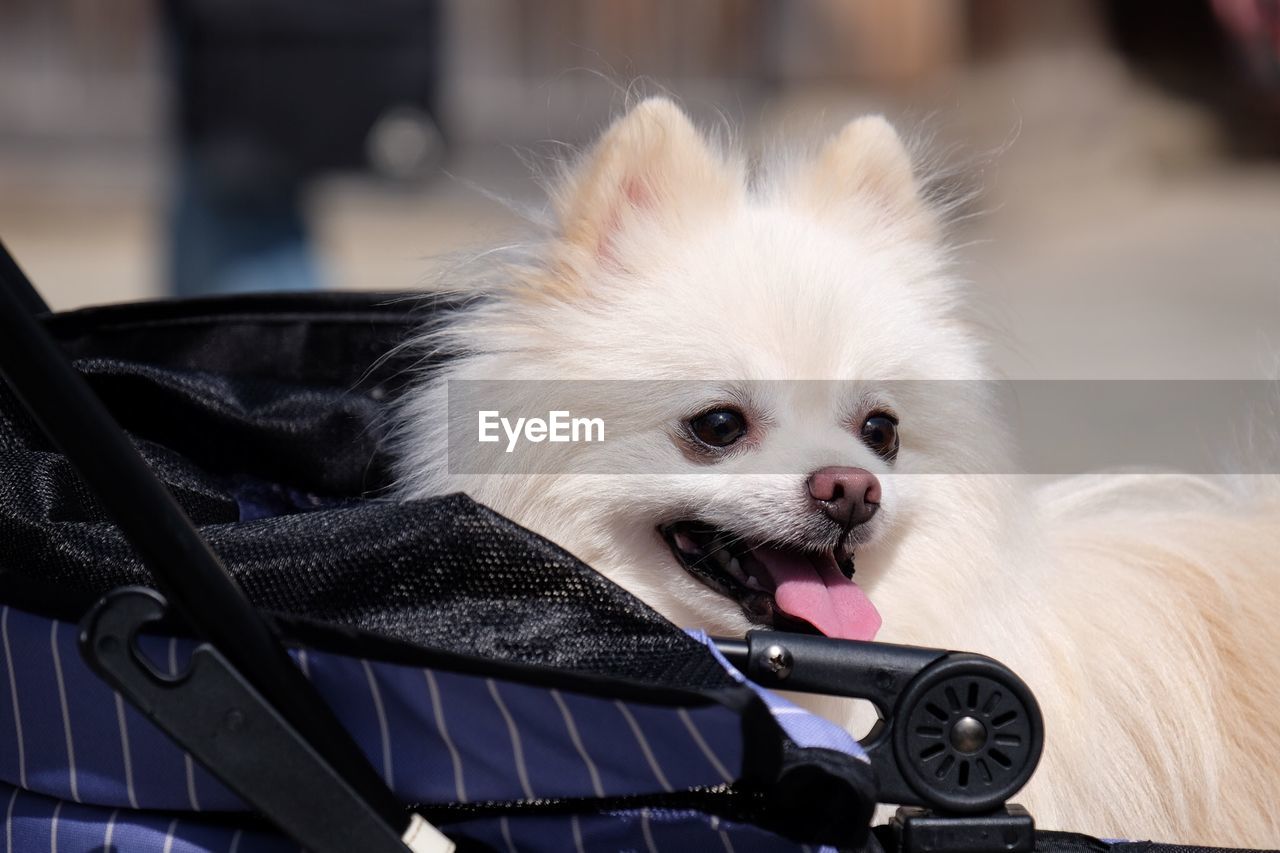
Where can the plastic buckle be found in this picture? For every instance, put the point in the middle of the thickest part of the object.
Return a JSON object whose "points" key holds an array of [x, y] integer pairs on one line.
{"points": [[1010, 829]]}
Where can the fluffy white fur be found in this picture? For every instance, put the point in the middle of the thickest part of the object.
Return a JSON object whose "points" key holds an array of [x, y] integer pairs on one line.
{"points": [[1144, 611]]}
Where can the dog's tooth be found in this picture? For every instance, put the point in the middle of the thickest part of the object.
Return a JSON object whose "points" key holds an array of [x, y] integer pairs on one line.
{"points": [[736, 568], [721, 554]]}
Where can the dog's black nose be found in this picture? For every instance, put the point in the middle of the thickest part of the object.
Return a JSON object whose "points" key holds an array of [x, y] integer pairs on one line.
{"points": [[849, 496]]}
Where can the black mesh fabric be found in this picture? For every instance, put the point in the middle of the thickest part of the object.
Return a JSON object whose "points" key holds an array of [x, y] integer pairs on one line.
{"points": [[265, 417]]}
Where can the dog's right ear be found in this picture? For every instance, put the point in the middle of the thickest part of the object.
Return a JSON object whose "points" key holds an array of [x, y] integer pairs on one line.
{"points": [[866, 164], [652, 169]]}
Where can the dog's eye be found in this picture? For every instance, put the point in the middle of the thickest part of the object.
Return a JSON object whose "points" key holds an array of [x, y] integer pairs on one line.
{"points": [[880, 432], [719, 428]]}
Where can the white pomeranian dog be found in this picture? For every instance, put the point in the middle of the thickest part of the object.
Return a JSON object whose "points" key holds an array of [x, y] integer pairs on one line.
{"points": [[1143, 610]]}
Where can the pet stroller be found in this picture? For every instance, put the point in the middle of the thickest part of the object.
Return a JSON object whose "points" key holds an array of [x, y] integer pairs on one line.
{"points": [[217, 637]]}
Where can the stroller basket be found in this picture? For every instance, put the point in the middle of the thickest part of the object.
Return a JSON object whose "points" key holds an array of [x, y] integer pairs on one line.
{"points": [[353, 673]]}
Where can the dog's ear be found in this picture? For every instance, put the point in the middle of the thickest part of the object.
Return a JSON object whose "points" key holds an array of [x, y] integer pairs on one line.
{"points": [[651, 167], [866, 163]]}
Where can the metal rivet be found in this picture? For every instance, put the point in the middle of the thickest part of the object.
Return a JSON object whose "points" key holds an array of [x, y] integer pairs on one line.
{"points": [[968, 734], [779, 660], [234, 720]]}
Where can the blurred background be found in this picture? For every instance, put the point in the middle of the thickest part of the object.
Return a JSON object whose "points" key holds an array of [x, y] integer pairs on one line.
{"points": [[1126, 154]]}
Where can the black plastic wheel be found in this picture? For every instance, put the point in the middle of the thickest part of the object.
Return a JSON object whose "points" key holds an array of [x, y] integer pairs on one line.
{"points": [[967, 734]]}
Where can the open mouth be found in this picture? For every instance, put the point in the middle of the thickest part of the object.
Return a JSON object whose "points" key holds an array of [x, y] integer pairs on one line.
{"points": [[780, 587]]}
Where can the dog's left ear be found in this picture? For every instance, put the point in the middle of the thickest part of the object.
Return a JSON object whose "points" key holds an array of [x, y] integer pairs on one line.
{"points": [[866, 164], [652, 169]]}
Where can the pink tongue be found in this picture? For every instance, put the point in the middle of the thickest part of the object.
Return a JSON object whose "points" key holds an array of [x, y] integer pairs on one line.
{"points": [[812, 588]]}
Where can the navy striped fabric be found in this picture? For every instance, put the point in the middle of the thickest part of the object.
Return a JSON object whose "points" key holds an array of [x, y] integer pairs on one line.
{"points": [[76, 761], [434, 734], [33, 822], [37, 823]]}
